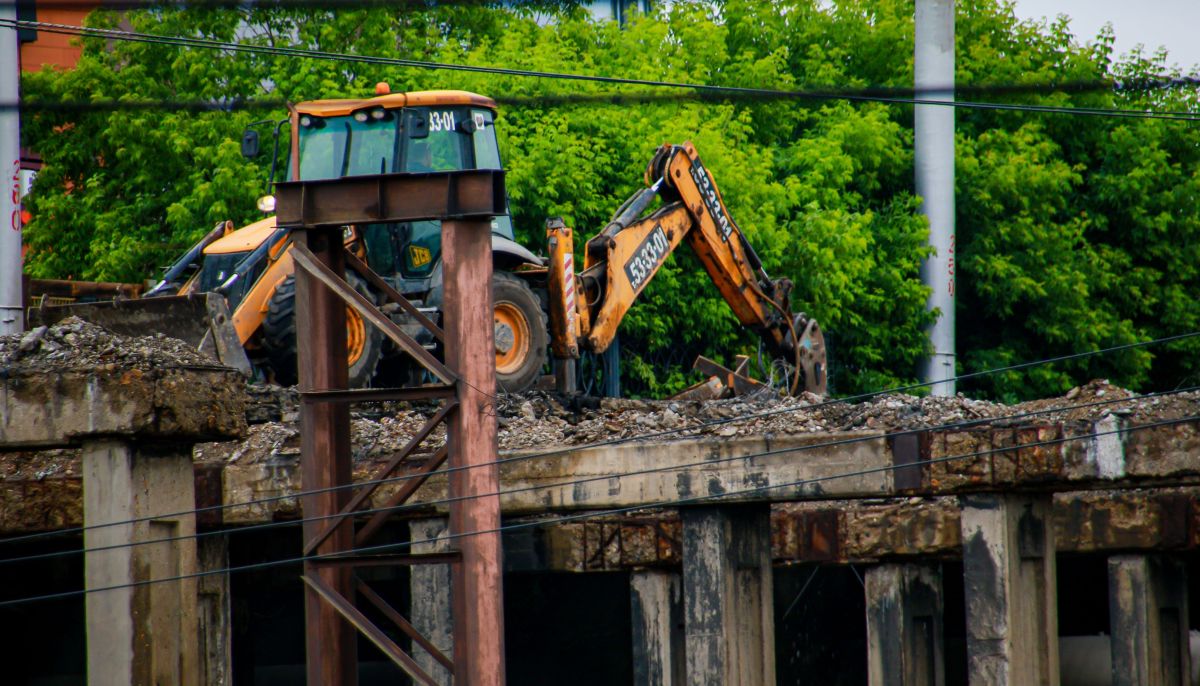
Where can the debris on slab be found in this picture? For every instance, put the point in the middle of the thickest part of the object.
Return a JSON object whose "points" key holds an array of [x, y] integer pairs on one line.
{"points": [[73, 344]]}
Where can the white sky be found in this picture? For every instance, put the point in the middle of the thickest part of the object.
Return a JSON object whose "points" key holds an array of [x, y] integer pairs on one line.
{"points": [[1172, 23]]}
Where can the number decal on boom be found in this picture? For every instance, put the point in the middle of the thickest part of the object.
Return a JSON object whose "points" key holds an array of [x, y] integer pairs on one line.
{"points": [[648, 256], [708, 191]]}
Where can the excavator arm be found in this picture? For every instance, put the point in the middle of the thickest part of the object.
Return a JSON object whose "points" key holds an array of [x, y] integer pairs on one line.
{"points": [[587, 308]]}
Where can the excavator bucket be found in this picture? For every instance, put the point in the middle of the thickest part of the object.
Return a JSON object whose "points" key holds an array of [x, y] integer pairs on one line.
{"points": [[200, 320]]}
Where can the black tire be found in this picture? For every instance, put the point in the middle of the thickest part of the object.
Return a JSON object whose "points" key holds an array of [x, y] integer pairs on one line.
{"points": [[519, 360], [279, 335]]}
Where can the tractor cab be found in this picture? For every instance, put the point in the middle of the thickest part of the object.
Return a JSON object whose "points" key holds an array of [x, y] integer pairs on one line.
{"points": [[420, 132], [430, 131]]}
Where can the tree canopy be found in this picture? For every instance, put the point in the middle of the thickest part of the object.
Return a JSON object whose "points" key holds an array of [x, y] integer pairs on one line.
{"points": [[1074, 232]]}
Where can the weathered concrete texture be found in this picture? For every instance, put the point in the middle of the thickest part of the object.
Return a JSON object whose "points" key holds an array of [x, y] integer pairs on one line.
{"points": [[656, 599], [1010, 592], [1061, 453], [430, 613], [1148, 611], [735, 468], [865, 531], [215, 612], [51, 409], [141, 634], [904, 625], [1167, 451], [611, 543], [728, 599], [266, 464]]}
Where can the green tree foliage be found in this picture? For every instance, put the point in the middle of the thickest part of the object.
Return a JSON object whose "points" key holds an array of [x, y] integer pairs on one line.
{"points": [[1073, 233]]}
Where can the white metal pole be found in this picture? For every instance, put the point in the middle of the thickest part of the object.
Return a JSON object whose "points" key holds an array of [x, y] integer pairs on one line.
{"points": [[933, 68], [12, 316]]}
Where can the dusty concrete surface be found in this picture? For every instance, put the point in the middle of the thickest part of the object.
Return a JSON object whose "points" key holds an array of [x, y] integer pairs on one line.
{"points": [[61, 384]]}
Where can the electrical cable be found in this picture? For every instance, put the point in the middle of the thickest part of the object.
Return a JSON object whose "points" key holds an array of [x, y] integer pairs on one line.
{"points": [[592, 479], [616, 99], [724, 91], [757, 490], [614, 441]]}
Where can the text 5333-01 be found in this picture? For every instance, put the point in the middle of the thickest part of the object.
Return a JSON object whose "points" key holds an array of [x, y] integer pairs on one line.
{"points": [[652, 251]]}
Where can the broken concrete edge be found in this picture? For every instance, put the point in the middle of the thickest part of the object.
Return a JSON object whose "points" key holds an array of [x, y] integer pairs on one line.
{"points": [[171, 404]]}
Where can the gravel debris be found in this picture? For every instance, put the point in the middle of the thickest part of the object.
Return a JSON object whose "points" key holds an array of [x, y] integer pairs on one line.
{"points": [[73, 344], [540, 420], [545, 421]]}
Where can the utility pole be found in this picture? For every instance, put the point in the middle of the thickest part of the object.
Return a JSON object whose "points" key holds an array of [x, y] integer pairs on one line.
{"points": [[12, 311], [933, 68]]}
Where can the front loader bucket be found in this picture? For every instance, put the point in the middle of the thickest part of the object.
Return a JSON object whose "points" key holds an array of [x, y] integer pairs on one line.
{"points": [[200, 320]]}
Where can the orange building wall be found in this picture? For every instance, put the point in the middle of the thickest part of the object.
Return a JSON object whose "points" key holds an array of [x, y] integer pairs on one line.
{"points": [[54, 49]]}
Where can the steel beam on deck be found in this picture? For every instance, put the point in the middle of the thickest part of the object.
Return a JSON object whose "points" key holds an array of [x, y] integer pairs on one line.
{"points": [[468, 194]]}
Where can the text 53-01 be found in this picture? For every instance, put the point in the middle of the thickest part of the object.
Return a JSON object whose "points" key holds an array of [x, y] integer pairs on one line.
{"points": [[647, 257]]}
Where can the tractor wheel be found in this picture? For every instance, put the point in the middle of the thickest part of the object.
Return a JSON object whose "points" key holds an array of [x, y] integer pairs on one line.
{"points": [[521, 333], [364, 343]]}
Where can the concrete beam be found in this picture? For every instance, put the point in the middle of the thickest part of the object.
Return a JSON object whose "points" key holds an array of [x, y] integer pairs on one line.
{"points": [[604, 477], [1010, 592], [904, 625], [656, 600], [728, 599], [1148, 612], [53, 409], [139, 634]]}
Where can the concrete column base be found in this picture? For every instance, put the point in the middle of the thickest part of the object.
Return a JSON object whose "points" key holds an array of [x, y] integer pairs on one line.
{"points": [[904, 626], [1148, 611], [656, 600], [728, 595], [1009, 584], [143, 634], [431, 613]]}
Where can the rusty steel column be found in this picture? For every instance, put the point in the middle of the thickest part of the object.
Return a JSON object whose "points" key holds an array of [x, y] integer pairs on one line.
{"points": [[331, 642], [477, 590]]}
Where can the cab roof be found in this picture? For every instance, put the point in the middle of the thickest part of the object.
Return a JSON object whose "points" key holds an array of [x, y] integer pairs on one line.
{"points": [[335, 108]]}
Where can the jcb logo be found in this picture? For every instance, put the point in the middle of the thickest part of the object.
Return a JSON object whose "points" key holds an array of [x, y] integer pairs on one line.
{"points": [[419, 256]]}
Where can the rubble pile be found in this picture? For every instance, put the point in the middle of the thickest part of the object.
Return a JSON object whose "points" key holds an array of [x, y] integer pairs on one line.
{"points": [[73, 344], [539, 421]]}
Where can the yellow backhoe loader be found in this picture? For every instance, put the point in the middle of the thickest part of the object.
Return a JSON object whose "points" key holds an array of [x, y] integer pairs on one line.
{"points": [[251, 268]]}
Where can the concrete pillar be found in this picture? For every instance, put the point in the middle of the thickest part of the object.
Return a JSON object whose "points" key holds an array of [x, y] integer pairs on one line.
{"points": [[431, 612], [656, 600], [145, 634], [729, 622], [1009, 584], [1148, 611], [216, 614], [904, 625]]}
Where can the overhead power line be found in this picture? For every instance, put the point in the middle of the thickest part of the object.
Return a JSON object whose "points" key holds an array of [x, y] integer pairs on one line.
{"points": [[693, 500], [964, 424], [699, 90], [617, 441]]}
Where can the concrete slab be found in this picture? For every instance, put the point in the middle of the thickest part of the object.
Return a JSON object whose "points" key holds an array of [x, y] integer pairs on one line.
{"points": [[47, 410]]}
